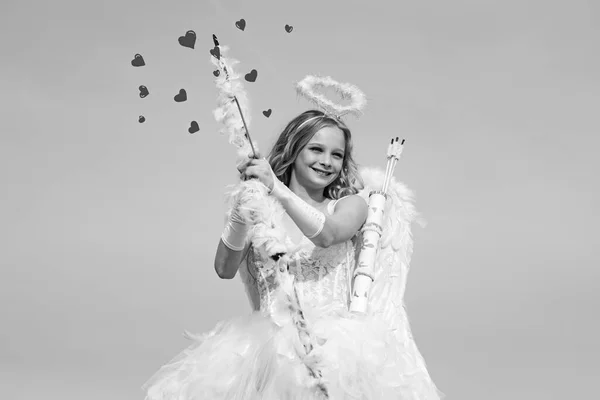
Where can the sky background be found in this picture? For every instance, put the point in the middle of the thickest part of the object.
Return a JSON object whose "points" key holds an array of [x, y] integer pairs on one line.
{"points": [[108, 226]]}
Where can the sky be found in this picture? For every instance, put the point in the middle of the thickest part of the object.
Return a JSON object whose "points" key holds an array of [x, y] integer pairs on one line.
{"points": [[109, 226]]}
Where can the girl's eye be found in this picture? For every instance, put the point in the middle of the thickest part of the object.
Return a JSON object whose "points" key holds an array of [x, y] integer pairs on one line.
{"points": [[320, 150]]}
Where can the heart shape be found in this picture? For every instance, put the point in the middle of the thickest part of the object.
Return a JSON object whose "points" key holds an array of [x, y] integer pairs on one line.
{"points": [[189, 40], [251, 76], [143, 91], [138, 61], [181, 96], [267, 113], [289, 28], [216, 72], [193, 127], [241, 24], [141, 119], [216, 53]]}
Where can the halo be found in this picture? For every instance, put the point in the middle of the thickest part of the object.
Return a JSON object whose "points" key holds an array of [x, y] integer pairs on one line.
{"points": [[308, 87]]}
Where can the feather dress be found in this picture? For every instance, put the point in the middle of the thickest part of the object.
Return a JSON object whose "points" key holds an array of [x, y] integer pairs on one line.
{"points": [[328, 353]]}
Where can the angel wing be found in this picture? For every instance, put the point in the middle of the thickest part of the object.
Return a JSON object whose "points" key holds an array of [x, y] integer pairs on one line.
{"points": [[395, 246], [392, 264]]}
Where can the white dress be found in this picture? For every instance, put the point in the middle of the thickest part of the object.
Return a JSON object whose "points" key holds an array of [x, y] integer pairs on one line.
{"points": [[276, 353]]}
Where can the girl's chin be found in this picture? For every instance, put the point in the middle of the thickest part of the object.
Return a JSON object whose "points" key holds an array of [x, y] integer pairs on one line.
{"points": [[322, 182], [317, 183]]}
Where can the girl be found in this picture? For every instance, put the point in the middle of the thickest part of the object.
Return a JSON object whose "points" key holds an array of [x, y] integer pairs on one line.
{"points": [[310, 347]]}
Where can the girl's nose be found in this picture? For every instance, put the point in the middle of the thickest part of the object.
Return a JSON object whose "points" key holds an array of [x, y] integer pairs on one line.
{"points": [[326, 161]]}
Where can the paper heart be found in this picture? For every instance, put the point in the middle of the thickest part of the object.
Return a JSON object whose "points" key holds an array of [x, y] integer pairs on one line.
{"points": [[138, 61], [216, 72], [251, 76], [193, 127], [189, 40], [289, 28], [141, 119], [181, 96], [143, 91], [267, 113], [241, 24], [216, 53]]}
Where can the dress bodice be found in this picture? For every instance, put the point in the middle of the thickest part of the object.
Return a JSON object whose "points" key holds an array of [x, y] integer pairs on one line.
{"points": [[321, 275]]}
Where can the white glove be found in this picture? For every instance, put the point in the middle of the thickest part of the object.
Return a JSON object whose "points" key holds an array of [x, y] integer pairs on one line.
{"points": [[236, 231], [310, 220]]}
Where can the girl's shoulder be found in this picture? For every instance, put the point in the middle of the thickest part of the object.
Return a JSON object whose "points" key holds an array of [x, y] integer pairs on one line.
{"points": [[353, 201]]}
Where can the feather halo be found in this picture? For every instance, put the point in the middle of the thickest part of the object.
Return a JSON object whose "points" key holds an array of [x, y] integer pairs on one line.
{"points": [[308, 87]]}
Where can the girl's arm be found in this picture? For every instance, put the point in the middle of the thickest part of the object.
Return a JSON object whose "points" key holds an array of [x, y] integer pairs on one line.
{"points": [[349, 215], [233, 246], [227, 261], [324, 230]]}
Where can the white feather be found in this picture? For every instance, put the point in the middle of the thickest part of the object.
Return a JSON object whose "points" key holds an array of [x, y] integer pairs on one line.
{"points": [[227, 113], [309, 86]]}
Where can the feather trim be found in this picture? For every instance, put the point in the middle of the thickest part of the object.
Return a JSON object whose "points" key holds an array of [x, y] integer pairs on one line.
{"points": [[308, 87], [230, 86]]}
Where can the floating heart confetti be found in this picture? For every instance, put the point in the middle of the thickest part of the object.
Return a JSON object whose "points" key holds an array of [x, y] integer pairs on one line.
{"points": [[251, 76], [138, 61], [289, 28], [143, 91], [216, 72], [189, 40], [216, 53], [193, 127], [181, 96], [241, 24], [141, 119], [267, 113], [215, 41]]}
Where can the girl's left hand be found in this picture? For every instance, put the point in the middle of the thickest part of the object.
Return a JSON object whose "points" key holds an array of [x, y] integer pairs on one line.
{"points": [[258, 169]]}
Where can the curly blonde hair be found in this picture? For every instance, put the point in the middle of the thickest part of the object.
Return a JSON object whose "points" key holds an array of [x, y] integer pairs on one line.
{"points": [[296, 135]]}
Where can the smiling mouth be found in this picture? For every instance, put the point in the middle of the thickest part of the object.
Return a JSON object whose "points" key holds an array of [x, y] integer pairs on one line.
{"points": [[321, 173]]}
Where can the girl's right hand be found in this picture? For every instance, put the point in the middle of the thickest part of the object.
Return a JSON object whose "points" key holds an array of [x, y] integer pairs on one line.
{"points": [[242, 165], [261, 170]]}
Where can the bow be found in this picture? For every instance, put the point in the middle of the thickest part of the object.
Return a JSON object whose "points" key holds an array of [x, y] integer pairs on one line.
{"points": [[261, 212]]}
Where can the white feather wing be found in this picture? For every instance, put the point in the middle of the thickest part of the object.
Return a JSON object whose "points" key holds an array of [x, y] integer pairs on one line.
{"points": [[391, 268], [396, 245]]}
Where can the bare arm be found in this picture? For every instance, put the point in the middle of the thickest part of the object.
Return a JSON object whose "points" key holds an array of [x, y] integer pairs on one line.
{"points": [[227, 261], [349, 215]]}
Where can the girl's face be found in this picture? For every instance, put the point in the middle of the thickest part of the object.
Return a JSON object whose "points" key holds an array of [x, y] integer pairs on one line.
{"points": [[320, 161]]}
